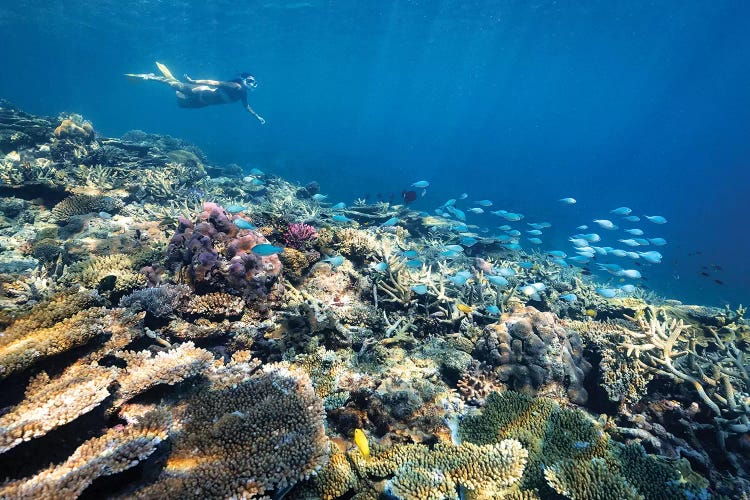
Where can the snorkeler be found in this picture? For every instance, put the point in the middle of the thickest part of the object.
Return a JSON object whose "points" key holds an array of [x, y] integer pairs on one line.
{"points": [[202, 93]]}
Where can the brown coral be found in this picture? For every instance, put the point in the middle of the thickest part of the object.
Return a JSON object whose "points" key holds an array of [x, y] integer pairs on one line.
{"points": [[74, 127], [107, 273], [215, 304], [263, 434], [49, 403], [81, 204], [118, 449]]}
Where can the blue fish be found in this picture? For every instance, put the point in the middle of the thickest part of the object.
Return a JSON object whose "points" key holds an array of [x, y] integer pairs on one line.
{"points": [[497, 280], [458, 279], [657, 241], [561, 262], [414, 264], [319, 197], [526, 265], [607, 293], [484, 203], [628, 288], [568, 201], [468, 241], [569, 297], [632, 218], [450, 202], [419, 289], [656, 219], [652, 257], [257, 182], [339, 206], [450, 254], [557, 253], [266, 249], [380, 267], [535, 241], [242, 223], [334, 261], [460, 215], [409, 254], [455, 248], [513, 246], [621, 211], [460, 228], [494, 310], [421, 184], [390, 222], [340, 218], [235, 209], [579, 259], [256, 171]]}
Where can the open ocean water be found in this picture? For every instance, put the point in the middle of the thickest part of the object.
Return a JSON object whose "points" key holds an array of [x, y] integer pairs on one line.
{"points": [[638, 104]]}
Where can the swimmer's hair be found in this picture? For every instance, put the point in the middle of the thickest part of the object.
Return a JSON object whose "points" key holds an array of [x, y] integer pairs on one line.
{"points": [[245, 75]]}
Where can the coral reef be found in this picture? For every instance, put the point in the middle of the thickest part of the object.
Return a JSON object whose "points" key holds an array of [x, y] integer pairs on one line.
{"points": [[82, 204]]}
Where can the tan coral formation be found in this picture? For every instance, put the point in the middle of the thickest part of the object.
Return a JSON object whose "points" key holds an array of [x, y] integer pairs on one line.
{"points": [[263, 434], [50, 403], [118, 449], [215, 304]]}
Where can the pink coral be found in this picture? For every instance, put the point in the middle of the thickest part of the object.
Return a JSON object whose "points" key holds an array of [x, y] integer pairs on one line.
{"points": [[296, 235]]}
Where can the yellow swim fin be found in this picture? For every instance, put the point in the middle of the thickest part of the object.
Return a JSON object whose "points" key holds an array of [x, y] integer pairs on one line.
{"points": [[165, 71]]}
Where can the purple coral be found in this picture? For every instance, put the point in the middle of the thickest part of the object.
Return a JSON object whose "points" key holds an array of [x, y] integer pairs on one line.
{"points": [[296, 235]]}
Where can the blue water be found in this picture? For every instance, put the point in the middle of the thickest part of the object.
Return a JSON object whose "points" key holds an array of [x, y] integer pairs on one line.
{"points": [[644, 104]]}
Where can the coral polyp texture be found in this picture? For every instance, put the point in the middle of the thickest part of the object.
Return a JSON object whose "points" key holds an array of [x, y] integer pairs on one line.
{"points": [[173, 328]]}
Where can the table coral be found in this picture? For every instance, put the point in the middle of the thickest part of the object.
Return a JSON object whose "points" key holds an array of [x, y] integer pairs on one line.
{"points": [[263, 434], [118, 449]]}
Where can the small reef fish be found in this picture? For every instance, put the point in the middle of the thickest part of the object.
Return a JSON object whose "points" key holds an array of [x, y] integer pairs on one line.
{"points": [[339, 206], [590, 237], [450, 253], [505, 271], [653, 256], [419, 289], [455, 248], [514, 232], [628, 288], [569, 297], [414, 264], [340, 218], [506, 227], [409, 254], [535, 241], [476, 210], [630, 242], [468, 241], [630, 273], [421, 184], [242, 223], [483, 265], [513, 217], [460, 228], [568, 201], [579, 259], [632, 255], [632, 218], [256, 171], [463, 196], [334, 261], [561, 262], [635, 232], [493, 310], [606, 224], [484, 203], [513, 246], [235, 209], [611, 268], [460, 278], [390, 222], [658, 241], [380, 267], [459, 214], [618, 252], [533, 290], [557, 253], [621, 211], [582, 228], [497, 280], [464, 308], [656, 219], [578, 242], [319, 197], [534, 232], [607, 293], [266, 249], [525, 265], [642, 241], [257, 182], [450, 202], [361, 441]]}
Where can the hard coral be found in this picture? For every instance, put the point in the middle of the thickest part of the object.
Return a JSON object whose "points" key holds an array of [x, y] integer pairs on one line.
{"points": [[532, 349], [81, 204], [263, 434], [217, 256], [298, 235], [74, 127]]}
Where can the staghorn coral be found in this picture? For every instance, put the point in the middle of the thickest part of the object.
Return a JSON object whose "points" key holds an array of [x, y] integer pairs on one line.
{"points": [[81, 204], [118, 449], [145, 370], [588, 479], [215, 304], [263, 434], [50, 403], [20, 349], [531, 349]]}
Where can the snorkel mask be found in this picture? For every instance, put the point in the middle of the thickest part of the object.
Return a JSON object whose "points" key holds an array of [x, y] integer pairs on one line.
{"points": [[249, 81]]}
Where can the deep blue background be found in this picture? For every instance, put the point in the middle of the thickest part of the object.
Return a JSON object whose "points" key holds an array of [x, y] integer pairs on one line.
{"points": [[645, 104]]}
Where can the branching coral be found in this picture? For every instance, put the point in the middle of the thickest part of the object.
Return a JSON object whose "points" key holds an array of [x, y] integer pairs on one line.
{"points": [[159, 301], [263, 434], [81, 204], [107, 273], [118, 449], [216, 304]]}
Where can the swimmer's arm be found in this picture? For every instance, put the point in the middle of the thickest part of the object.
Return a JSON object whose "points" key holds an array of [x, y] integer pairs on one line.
{"points": [[252, 111]]}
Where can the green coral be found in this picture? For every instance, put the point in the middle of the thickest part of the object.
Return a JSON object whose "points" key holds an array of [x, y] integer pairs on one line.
{"points": [[571, 455]]}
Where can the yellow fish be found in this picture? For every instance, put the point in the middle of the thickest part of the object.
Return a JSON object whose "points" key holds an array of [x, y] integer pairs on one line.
{"points": [[464, 308], [361, 441]]}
